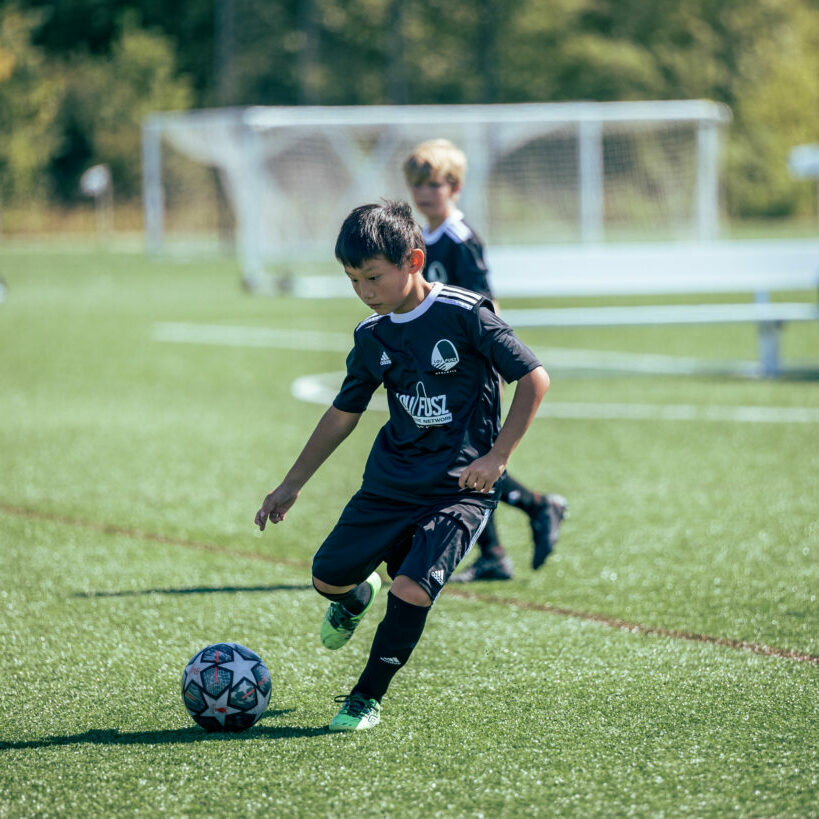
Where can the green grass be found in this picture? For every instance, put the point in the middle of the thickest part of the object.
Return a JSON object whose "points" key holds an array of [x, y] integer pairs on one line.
{"points": [[119, 455]]}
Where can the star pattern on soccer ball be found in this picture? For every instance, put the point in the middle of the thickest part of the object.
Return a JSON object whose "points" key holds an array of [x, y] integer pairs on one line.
{"points": [[242, 669], [261, 706], [244, 691], [195, 669], [218, 707]]}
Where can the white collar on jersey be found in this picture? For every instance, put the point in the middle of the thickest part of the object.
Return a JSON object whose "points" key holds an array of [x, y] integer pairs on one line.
{"points": [[431, 237], [401, 318]]}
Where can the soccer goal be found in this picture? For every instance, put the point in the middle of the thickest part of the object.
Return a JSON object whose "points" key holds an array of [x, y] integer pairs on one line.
{"points": [[276, 182]]}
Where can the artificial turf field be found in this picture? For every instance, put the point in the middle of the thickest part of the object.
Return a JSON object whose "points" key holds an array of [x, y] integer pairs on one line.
{"points": [[664, 661]]}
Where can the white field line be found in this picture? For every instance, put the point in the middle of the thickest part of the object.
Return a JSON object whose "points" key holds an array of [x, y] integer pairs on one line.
{"points": [[237, 336], [321, 388], [288, 339], [679, 412], [645, 363]]}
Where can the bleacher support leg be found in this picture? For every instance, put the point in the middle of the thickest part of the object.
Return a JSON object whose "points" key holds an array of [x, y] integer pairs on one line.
{"points": [[769, 348]]}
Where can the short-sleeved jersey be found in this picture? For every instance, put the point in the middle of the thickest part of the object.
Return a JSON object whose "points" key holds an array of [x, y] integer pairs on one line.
{"points": [[455, 256], [439, 364]]}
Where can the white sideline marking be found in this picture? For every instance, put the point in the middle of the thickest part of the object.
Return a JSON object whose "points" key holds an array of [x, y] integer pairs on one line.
{"points": [[290, 339], [323, 387], [648, 363], [680, 412], [237, 336]]}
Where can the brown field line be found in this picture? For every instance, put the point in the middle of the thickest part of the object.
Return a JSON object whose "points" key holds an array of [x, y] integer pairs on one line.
{"points": [[637, 628], [611, 622], [151, 537]]}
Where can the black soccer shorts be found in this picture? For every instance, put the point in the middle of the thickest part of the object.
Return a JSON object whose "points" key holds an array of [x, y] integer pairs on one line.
{"points": [[424, 542]]}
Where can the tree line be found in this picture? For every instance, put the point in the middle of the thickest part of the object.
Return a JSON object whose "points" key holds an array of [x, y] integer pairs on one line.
{"points": [[78, 76]]}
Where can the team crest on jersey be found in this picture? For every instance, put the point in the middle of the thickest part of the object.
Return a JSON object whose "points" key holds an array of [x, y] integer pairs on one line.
{"points": [[425, 410], [436, 272], [444, 355]]}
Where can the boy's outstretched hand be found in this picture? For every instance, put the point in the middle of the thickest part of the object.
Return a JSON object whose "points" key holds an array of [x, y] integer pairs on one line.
{"points": [[275, 505], [481, 474]]}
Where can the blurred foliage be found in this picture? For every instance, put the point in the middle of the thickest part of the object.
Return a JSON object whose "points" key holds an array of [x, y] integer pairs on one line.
{"points": [[104, 104], [29, 101], [77, 76], [776, 107]]}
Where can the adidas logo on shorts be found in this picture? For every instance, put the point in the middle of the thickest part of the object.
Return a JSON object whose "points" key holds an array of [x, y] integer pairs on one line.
{"points": [[438, 576], [390, 660]]}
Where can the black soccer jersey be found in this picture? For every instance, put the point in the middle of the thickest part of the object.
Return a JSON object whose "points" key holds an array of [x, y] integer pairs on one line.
{"points": [[439, 364], [455, 256]]}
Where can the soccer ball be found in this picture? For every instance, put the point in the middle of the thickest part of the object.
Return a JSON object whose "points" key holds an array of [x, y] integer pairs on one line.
{"points": [[226, 687]]}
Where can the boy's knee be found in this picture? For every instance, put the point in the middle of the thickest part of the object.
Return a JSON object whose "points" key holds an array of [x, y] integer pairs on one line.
{"points": [[411, 592], [329, 591]]}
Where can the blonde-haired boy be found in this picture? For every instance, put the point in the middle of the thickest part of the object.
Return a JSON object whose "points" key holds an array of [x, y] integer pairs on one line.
{"points": [[435, 172], [439, 158]]}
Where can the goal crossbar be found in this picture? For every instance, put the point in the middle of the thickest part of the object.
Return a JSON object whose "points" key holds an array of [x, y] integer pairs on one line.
{"points": [[290, 173]]}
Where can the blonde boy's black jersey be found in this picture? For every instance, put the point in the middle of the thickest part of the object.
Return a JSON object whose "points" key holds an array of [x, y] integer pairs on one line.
{"points": [[455, 256], [439, 364]]}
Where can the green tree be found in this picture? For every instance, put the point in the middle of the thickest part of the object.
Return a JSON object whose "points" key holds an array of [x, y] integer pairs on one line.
{"points": [[105, 102], [29, 101], [76, 82], [776, 107]]}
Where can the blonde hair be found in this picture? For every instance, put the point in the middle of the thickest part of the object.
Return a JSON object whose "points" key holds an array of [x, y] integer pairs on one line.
{"points": [[436, 158]]}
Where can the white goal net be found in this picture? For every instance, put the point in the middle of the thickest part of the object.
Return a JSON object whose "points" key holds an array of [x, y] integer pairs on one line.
{"points": [[275, 183]]}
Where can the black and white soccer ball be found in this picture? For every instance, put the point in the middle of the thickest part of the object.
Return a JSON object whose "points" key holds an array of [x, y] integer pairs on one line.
{"points": [[226, 687]]}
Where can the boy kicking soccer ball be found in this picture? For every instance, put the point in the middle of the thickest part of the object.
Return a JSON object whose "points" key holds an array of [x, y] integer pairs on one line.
{"points": [[429, 483], [435, 173]]}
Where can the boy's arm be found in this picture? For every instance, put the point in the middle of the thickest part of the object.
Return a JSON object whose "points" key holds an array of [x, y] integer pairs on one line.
{"points": [[335, 425], [482, 473]]}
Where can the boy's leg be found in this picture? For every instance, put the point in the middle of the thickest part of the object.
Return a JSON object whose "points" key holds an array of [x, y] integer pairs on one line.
{"points": [[343, 567], [440, 542], [353, 598], [545, 514], [396, 637], [493, 563], [346, 610], [516, 494]]}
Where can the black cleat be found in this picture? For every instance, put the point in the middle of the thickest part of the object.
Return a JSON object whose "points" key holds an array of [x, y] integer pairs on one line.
{"points": [[545, 525], [485, 568]]}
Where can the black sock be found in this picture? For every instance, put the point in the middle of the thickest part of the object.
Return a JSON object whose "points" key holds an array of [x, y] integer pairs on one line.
{"points": [[488, 541], [395, 638], [517, 495], [355, 600]]}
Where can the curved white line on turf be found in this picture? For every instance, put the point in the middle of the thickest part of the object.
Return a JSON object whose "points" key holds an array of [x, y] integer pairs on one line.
{"points": [[322, 388]]}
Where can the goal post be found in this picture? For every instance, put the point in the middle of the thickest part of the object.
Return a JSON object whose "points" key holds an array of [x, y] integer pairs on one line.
{"points": [[538, 174]]}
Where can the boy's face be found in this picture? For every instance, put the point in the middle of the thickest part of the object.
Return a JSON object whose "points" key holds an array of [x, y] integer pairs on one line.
{"points": [[388, 288], [434, 197]]}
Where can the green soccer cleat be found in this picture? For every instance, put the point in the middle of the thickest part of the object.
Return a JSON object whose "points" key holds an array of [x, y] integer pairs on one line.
{"points": [[358, 713], [338, 624]]}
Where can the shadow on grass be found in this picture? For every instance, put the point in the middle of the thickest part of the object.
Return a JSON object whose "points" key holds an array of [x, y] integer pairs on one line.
{"points": [[111, 736], [799, 374], [198, 590]]}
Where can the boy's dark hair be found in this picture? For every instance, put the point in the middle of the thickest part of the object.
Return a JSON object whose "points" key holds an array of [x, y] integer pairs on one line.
{"points": [[387, 230]]}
